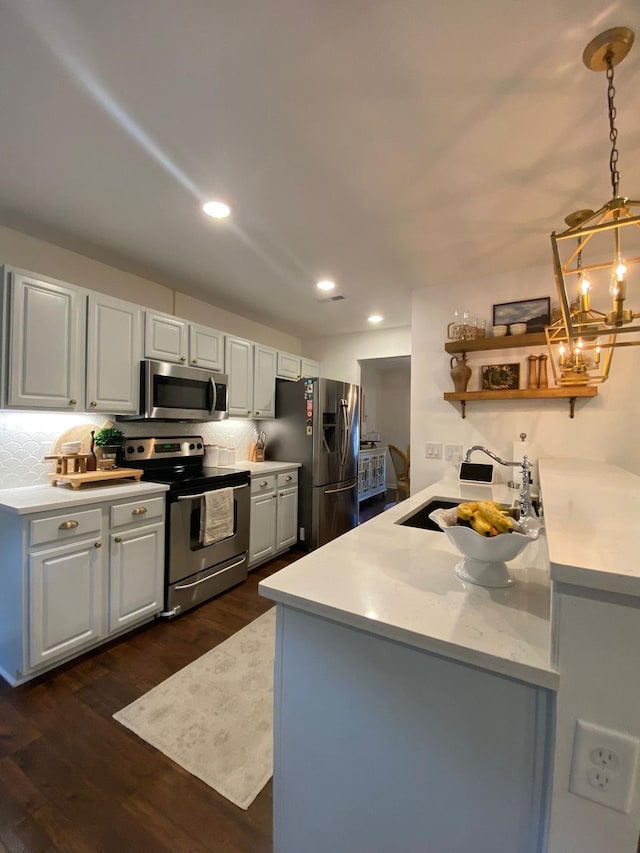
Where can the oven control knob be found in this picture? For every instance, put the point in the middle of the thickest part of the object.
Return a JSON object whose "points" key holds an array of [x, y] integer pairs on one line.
{"points": [[130, 449], [199, 446], [140, 449], [192, 447]]}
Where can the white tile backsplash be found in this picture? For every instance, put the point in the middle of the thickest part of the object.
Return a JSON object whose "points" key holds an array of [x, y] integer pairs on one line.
{"points": [[26, 437]]}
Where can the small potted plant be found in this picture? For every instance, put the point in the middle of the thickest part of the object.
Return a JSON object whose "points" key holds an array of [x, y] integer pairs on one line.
{"points": [[107, 441]]}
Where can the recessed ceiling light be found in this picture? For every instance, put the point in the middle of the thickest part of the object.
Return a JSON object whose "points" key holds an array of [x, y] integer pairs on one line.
{"points": [[217, 209], [325, 284], [375, 318]]}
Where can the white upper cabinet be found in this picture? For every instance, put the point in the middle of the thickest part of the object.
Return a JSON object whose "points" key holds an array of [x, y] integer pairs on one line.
{"points": [[309, 368], [114, 350], [239, 367], [206, 348], [166, 338], [47, 344], [289, 366], [296, 366], [264, 382]]}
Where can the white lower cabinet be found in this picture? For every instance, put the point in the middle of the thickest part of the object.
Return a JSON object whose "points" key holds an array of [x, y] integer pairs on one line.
{"points": [[74, 577], [65, 601], [274, 515], [135, 584]]}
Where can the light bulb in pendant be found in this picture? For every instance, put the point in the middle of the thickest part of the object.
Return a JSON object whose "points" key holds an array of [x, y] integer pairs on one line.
{"points": [[596, 354], [562, 352], [585, 287], [617, 277]]}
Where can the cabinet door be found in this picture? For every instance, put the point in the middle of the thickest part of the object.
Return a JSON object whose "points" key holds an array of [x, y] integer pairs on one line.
{"points": [[264, 382], [262, 536], [206, 348], [239, 362], [288, 366], [114, 350], [136, 575], [364, 476], [65, 600], [309, 368], [287, 526], [46, 353], [165, 338]]}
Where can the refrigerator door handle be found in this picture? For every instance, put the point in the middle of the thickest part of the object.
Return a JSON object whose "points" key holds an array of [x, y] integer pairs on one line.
{"points": [[344, 436], [343, 489]]}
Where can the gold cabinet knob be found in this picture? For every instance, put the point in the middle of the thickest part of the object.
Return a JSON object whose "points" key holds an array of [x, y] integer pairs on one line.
{"points": [[263, 484], [97, 544], [289, 478], [68, 525], [139, 510], [194, 361], [93, 404], [183, 358], [72, 402], [118, 539]]}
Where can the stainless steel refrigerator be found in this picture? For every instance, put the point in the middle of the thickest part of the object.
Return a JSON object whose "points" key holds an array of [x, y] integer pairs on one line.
{"points": [[317, 424]]}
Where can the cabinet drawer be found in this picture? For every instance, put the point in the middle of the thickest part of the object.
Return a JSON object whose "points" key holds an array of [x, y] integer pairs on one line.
{"points": [[262, 485], [67, 525], [287, 479], [137, 512]]}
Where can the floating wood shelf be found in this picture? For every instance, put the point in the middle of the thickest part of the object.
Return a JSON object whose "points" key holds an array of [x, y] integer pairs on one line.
{"points": [[570, 393], [533, 339]]}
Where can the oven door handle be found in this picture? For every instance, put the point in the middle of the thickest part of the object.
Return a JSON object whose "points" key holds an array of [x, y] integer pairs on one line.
{"points": [[208, 577], [215, 395], [194, 497]]}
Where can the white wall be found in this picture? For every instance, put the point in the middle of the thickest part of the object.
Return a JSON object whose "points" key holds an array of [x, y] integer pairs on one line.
{"points": [[339, 354], [603, 428], [37, 256]]}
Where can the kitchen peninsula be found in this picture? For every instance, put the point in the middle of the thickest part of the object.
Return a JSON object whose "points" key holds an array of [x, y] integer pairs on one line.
{"points": [[415, 712]]}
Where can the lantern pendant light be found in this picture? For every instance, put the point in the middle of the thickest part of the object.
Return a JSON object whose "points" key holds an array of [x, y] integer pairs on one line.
{"points": [[594, 291]]}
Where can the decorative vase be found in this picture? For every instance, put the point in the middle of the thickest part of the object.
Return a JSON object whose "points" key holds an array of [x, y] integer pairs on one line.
{"points": [[460, 372]]}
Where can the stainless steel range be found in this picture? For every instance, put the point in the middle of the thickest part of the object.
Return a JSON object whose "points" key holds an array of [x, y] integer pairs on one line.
{"points": [[194, 572]]}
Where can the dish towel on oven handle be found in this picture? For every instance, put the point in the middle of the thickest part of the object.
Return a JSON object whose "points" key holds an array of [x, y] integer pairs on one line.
{"points": [[216, 516]]}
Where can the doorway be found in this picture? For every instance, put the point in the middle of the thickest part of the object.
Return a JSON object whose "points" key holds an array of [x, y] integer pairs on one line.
{"points": [[385, 418]]}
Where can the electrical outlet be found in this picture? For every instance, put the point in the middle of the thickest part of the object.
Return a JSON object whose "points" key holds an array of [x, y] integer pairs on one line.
{"points": [[433, 450], [453, 452], [604, 765]]}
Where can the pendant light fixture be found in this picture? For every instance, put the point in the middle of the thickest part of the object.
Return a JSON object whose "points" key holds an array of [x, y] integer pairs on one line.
{"points": [[596, 257]]}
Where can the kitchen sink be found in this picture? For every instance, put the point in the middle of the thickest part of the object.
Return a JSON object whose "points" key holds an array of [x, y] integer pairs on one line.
{"points": [[421, 517]]}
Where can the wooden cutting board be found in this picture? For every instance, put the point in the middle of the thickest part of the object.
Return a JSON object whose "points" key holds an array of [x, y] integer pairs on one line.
{"points": [[80, 432], [77, 480]]}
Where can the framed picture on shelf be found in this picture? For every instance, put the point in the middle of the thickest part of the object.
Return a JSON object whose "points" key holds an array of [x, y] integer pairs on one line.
{"points": [[536, 313], [501, 377]]}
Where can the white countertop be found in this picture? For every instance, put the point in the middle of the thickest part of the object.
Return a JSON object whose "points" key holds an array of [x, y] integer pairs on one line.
{"points": [[591, 513], [46, 497], [399, 582], [257, 468]]}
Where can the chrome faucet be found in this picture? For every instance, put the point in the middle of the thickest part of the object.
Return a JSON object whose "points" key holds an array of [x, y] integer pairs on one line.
{"points": [[525, 468]]}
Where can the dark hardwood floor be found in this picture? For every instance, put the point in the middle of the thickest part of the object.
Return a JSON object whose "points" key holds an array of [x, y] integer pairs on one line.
{"points": [[374, 506], [73, 780]]}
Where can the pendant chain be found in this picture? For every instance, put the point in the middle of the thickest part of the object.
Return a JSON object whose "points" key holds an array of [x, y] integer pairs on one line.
{"points": [[613, 131]]}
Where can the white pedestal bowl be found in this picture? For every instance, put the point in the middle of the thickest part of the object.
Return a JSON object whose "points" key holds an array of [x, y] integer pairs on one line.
{"points": [[485, 557]]}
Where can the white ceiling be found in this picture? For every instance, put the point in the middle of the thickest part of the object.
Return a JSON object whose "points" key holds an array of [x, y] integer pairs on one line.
{"points": [[388, 145]]}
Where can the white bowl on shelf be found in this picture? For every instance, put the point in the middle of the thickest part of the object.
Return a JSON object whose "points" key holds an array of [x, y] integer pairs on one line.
{"points": [[518, 329], [499, 331], [71, 447], [485, 557]]}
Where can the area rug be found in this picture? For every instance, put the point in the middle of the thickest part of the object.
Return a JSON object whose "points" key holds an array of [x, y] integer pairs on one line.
{"points": [[215, 716]]}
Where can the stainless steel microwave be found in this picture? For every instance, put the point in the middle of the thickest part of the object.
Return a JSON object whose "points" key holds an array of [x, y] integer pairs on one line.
{"points": [[173, 392]]}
